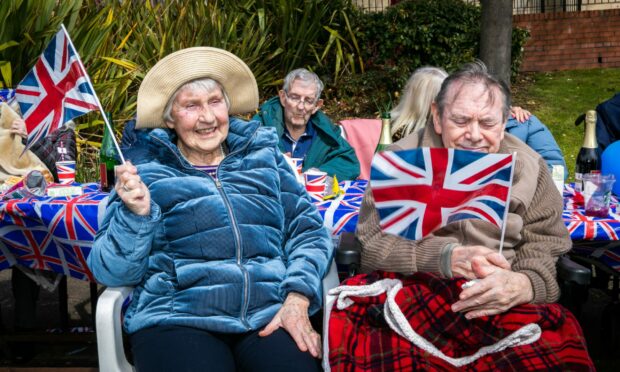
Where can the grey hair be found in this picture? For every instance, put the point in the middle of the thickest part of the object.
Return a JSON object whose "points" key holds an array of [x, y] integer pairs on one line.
{"points": [[303, 75], [413, 110], [205, 84], [470, 73]]}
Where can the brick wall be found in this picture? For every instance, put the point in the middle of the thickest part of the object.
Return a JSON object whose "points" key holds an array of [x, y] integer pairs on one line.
{"points": [[574, 40]]}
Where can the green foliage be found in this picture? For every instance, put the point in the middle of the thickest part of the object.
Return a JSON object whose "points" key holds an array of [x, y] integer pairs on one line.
{"points": [[519, 38], [25, 28]]}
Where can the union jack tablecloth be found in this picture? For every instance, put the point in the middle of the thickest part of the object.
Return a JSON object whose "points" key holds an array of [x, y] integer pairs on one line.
{"points": [[51, 233], [341, 214], [582, 227], [591, 235]]}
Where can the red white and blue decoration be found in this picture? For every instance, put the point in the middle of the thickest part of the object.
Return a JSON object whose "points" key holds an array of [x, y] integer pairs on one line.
{"points": [[54, 234], [418, 191], [56, 90]]}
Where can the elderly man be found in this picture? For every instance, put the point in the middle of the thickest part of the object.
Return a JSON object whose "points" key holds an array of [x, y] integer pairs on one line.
{"points": [[305, 132], [470, 113]]}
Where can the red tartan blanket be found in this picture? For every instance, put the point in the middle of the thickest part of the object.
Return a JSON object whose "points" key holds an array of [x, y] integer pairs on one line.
{"points": [[361, 340]]}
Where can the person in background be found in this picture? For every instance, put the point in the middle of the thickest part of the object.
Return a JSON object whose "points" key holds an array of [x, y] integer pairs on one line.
{"points": [[232, 290], [414, 112], [304, 130]]}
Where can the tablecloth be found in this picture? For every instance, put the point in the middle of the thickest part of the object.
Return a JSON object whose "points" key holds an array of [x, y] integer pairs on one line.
{"points": [[51, 233]]}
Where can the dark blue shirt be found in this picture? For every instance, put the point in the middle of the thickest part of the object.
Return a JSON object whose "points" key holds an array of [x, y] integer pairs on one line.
{"points": [[299, 148]]}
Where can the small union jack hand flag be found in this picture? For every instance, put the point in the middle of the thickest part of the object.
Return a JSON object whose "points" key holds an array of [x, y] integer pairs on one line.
{"points": [[56, 90], [418, 191]]}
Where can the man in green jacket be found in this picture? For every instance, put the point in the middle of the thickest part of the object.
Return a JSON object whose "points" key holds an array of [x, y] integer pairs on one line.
{"points": [[304, 130]]}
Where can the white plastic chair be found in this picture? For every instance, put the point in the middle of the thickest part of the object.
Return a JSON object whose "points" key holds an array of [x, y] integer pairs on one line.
{"points": [[110, 330]]}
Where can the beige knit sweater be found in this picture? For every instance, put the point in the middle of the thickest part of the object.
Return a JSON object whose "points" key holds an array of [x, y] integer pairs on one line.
{"points": [[535, 233]]}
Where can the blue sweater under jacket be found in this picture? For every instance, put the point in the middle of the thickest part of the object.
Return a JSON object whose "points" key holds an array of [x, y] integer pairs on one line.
{"points": [[218, 255]]}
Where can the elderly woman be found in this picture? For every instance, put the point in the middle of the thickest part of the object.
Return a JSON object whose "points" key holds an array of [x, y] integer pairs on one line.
{"points": [[224, 247]]}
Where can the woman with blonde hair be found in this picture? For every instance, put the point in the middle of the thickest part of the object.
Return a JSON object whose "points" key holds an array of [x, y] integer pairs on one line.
{"points": [[414, 107]]}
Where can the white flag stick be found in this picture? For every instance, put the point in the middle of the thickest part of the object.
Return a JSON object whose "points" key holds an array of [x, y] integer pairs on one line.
{"points": [[105, 118], [504, 220]]}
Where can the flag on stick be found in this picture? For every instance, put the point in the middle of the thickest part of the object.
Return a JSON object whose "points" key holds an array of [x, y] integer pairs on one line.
{"points": [[418, 191], [56, 90]]}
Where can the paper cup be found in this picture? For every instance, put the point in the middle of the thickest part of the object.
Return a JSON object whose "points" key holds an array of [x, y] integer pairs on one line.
{"points": [[66, 171], [299, 162], [315, 183]]}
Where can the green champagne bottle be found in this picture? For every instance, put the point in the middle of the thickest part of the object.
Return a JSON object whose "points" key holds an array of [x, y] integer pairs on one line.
{"points": [[385, 139], [107, 158]]}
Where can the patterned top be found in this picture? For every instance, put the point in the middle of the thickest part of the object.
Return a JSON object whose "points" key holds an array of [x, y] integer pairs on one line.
{"points": [[211, 170]]}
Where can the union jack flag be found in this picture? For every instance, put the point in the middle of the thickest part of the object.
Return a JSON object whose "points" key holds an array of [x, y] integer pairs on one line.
{"points": [[341, 214], [418, 191], [56, 90]]}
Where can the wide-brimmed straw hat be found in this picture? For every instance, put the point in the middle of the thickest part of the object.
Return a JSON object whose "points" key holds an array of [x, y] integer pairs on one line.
{"points": [[189, 64]]}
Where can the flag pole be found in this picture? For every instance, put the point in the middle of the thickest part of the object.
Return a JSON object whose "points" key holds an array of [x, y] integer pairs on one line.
{"points": [[512, 171], [105, 117]]}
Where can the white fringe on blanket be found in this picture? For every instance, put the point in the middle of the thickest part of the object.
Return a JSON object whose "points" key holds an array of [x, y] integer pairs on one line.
{"points": [[399, 324]]}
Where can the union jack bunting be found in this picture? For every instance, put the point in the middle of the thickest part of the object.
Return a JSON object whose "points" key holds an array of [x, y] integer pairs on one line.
{"points": [[56, 90], [418, 191], [53, 234]]}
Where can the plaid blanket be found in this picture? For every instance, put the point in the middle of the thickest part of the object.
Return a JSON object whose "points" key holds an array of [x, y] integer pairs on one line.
{"points": [[361, 340]]}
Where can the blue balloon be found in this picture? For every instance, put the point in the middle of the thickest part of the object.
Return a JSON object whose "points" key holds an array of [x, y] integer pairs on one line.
{"points": [[610, 164]]}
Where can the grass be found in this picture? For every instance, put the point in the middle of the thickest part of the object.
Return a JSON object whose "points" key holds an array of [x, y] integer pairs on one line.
{"points": [[557, 98]]}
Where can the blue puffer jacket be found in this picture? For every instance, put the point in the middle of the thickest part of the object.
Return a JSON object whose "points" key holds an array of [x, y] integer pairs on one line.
{"points": [[539, 138], [217, 255]]}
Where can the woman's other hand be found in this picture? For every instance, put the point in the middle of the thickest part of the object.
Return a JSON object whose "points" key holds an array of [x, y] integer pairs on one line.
{"points": [[293, 317], [519, 113], [18, 126], [132, 191]]}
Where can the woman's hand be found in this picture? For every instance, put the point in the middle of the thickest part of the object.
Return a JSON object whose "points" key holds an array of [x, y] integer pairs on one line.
{"points": [[519, 113], [497, 290], [293, 317], [132, 191], [462, 256], [18, 126]]}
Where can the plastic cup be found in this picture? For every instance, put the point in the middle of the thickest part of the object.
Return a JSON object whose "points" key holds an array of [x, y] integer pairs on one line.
{"points": [[299, 162], [597, 193], [316, 182], [66, 171]]}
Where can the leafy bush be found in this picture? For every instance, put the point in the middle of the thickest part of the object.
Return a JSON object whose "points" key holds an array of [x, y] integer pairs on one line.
{"points": [[409, 35]]}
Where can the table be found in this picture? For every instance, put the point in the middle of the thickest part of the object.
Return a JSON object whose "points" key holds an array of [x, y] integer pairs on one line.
{"points": [[57, 233], [51, 233], [594, 238]]}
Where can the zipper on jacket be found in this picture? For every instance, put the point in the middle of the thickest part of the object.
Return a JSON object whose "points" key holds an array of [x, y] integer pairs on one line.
{"points": [[237, 235], [246, 276]]}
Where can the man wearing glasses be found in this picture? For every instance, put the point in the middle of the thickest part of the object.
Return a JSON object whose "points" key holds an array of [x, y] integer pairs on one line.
{"points": [[305, 132]]}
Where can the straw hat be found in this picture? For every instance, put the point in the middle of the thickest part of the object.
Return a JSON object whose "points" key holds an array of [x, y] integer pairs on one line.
{"points": [[189, 64]]}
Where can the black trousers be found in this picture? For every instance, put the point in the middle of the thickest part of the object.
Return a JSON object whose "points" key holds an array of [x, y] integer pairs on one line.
{"points": [[176, 348]]}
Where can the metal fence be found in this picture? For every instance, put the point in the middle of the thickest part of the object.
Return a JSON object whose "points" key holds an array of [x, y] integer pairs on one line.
{"points": [[551, 6], [373, 5]]}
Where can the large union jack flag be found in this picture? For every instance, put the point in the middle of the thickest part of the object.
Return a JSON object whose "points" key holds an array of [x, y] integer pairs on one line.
{"points": [[418, 191], [56, 90]]}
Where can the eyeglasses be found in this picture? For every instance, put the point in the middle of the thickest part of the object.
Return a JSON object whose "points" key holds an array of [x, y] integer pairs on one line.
{"points": [[296, 100]]}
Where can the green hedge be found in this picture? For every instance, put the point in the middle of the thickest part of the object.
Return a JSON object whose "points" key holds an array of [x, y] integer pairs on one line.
{"points": [[409, 35]]}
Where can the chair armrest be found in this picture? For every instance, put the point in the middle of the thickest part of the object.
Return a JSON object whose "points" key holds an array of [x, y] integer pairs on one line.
{"points": [[349, 250], [569, 270], [109, 330]]}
